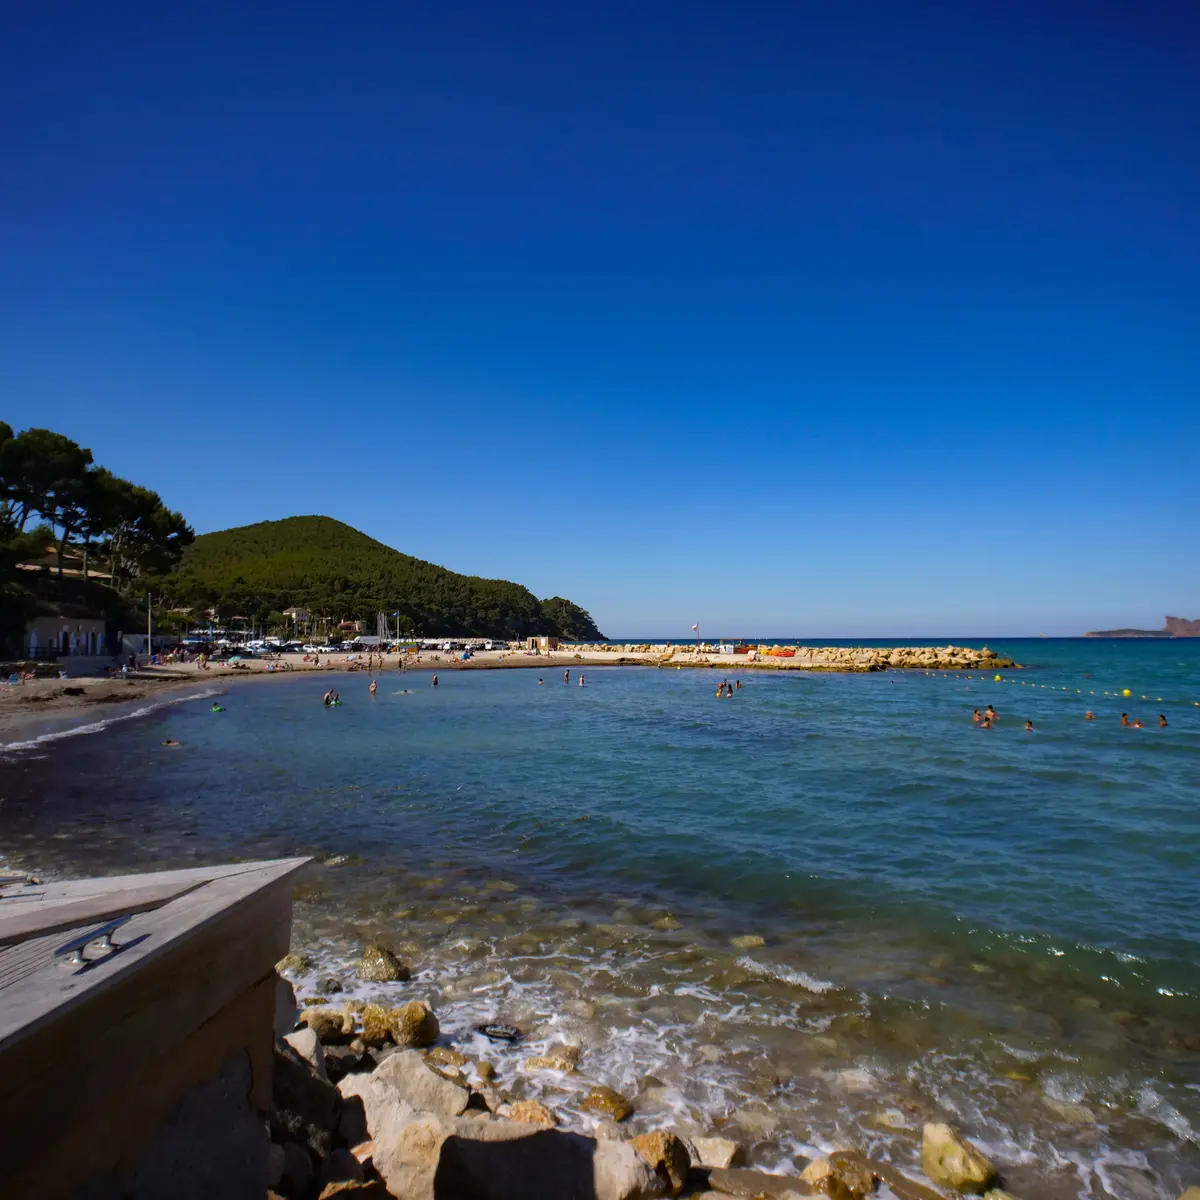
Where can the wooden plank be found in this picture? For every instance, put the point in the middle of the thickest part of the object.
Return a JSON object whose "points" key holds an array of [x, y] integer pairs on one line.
{"points": [[145, 938], [74, 889], [70, 1037], [19, 921]]}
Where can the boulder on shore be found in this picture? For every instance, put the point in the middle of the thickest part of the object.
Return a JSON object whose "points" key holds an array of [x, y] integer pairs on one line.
{"points": [[666, 1154], [952, 1162], [414, 1024], [714, 1152], [428, 1157]]}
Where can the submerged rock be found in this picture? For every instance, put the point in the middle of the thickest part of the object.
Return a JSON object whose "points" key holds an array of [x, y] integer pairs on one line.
{"points": [[608, 1103], [736, 1181], [953, 1162], [380, 965], [747, 941]]}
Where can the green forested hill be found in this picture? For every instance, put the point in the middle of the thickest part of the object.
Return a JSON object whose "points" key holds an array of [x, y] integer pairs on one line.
{"points": [[337, 572]]}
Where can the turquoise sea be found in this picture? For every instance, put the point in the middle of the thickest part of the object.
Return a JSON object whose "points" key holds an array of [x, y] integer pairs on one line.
{"points": [[815, 914]]}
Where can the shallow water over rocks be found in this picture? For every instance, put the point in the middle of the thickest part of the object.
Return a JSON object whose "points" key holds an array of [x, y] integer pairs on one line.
{"points": [[815, 915]]}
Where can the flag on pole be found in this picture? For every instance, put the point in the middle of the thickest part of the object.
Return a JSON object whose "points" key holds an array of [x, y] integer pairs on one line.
{"points": [[696, 628]]}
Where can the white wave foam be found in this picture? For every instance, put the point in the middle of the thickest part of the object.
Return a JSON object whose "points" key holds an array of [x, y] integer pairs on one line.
{"points": [[787, 975], [97, 726]]}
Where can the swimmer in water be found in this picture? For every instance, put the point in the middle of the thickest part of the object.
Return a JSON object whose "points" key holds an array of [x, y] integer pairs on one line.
{"points": [[738, 685], [581, 681], [1124, 718], [1137, 724], [990, 713], [566, 677], [435, 681], [539, 683], [976, 717], [374, 686], [1028, 726], [1162, 721], [1089, 715], [172, 742], [986, 723], [729, 689]]}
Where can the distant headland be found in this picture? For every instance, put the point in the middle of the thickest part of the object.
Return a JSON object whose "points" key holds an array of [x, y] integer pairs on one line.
{"points": [[1172, 628]]}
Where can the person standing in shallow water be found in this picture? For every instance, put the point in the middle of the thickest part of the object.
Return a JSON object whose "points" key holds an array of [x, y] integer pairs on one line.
{"points": [[1124, 718], [435, 681], [566, 677], [1162, 721], [373, 688], [976, 717]]}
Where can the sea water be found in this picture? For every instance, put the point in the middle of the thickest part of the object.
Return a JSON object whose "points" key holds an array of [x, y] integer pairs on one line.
{"points": [[815, 914]]}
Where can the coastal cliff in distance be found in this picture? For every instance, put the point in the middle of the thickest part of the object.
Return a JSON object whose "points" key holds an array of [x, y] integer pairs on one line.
{"points": [[1182, 627], [1172, 628]]}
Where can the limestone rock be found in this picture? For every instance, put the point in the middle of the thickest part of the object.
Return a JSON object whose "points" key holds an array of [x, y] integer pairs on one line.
{"points": [[380, 965], [608, 1103], [485, 1071], [329, 1024], [376, 1024], [349, 1189], [287, 1012], [446, 1056], [274, 1165], [507, 1160], [714, 1152], [414, 1024], [747, 941], [736, 1181], [293, 962], [851, 1173], [297, 1170], [952, 1162], [1072, 1114], [532, 1112], [420, 1086], [304, 1106], [547, 1062], [1192, 1193], [341, 1166], [667, 1156], [306, 1044]]}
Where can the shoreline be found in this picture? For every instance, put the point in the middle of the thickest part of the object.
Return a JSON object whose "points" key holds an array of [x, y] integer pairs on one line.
{"points": [[27, 706]]}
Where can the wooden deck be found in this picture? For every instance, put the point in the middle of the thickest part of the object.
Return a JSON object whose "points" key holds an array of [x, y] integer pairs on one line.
{"points": [[100, 1040]]}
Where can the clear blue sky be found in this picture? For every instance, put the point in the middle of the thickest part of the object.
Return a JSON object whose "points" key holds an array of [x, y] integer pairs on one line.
{"points": [[844, 319]]}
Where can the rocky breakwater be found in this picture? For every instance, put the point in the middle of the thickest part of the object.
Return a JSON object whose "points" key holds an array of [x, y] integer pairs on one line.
{"points": [[371, 1103]]}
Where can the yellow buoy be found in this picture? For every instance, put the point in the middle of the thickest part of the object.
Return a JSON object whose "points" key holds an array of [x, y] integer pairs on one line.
{"points": [[1126, 692], [997, 678]]}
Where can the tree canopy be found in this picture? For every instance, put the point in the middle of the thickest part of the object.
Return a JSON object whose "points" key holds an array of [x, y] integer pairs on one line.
{"points": [[338, 573], [82, 508]]}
